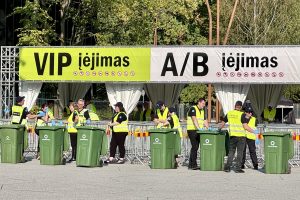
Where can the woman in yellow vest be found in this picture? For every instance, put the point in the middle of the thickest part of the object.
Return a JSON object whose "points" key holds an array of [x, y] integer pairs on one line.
{"points": [[161, 114], [42, 120], [269, 113], [196, 120], [174, 123], [72, 122], [249, 124], [119, 126]]}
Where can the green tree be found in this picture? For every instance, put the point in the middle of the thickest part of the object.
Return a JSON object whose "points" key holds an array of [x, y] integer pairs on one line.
{"points": [[292, 92], [192, 92]]}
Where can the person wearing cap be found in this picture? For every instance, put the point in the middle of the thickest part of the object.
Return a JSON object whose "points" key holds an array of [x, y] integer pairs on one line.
{"points": [[19, 113], [161, 114], [196, 120], [237, 137], [269, 113], [72, 122], [249, 124], [83, 113], [174, 123], [119, 127], [148, 114]]}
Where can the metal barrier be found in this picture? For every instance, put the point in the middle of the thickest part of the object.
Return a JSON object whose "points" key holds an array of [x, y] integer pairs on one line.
{"points": [[138, 142]]}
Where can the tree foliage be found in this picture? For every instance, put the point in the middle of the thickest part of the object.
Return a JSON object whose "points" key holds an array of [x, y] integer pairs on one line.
{"points": [[292, 92], [192, 92]]}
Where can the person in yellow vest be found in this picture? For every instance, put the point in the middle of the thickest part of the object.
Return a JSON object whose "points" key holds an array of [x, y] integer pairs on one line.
{"points": [[138, 115], [269, 114], [66, 111], [196, 120], [249, 124], [237, 134], [174, 123], [148, 114], [90, 106], [19, 113], [83, 113], [119, 127], [42, 120], [161, 114], [72, 122], [50, 104]]}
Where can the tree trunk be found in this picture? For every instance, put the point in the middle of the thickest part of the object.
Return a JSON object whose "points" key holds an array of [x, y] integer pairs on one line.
{"points": [[230, 22]]}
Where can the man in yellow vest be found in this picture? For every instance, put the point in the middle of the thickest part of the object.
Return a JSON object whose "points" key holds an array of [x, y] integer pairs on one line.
{"points": [[161, 114], [269, 113], [67, 112], [83, 113], [237, 134], [249, 124], [148, 114], [50, 104], [196, 120]]}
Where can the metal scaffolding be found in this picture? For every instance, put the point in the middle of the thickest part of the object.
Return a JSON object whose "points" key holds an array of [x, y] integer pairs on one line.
{"points": [[9, 78]]}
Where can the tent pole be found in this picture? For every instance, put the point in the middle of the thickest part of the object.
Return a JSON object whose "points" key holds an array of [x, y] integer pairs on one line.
{"points": [[209, 103]]}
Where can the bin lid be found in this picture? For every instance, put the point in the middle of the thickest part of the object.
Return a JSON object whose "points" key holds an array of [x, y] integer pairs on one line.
{"points": [[212, 132], [162, 130], [89, 128], [12, 126], [52, 128], [279, 134]]}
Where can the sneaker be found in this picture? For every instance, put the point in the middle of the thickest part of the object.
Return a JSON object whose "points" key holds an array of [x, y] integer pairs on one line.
{"points": [[120, 161], [255, 167], [243, 167], [108, 161], [239, 171], [194, 168], [227, 169]]}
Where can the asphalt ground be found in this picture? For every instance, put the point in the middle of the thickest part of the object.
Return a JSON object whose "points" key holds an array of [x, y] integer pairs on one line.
{"points": [[31, 180]]}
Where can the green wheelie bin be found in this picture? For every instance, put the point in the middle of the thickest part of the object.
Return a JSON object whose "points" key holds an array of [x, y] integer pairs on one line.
{"points": [[89, 145], [11, 139], [212, 150], [51, 139], [162, 145], [277, 149]]}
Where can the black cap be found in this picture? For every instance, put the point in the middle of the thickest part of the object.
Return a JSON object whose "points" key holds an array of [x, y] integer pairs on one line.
{"points": [[248, 110], [19, 99], [119, 104], [172, 109], [159, 104], [238, 103]]}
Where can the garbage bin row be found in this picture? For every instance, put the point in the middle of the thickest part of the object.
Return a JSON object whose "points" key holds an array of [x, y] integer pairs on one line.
{"points": [[138, 147]]}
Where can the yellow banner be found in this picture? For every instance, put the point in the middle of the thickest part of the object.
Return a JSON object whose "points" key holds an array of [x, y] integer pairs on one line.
{"points": [[84, 64]]}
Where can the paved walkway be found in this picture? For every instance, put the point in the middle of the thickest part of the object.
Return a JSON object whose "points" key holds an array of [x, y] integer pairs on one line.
{"points": [[34, 181]]}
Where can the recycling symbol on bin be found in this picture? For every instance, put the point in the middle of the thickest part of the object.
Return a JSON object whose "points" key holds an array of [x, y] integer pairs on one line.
{"points": [[83, 136], [272, 143], [206, 141], [7, 138], [46, 136], [156, 140]]}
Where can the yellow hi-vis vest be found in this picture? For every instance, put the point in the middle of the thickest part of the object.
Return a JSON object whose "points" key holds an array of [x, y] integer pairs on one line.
{"points": [[123, 127], [235, 125], [163, 116], [50, 113], [68, 111], [17, 112], [148, 114], [270, 115], [82, 119], [177, 124], [251, 124], [94, 116], [200, 119], [71, 128]]}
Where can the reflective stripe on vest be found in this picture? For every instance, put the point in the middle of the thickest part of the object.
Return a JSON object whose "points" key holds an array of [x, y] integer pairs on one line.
{"points": [[200, 119], [235, 125], [251, 124], [122, 127], [148, 114], [82, 119], [17, 112], [270, 115], [177, 124], [71, 128]]}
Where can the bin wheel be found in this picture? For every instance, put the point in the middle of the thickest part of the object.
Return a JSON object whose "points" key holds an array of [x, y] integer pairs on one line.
{"points": [[63, 161]]}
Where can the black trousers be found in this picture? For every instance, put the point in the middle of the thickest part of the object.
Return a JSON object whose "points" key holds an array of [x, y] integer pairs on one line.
{"points": [[118, 140], [195, 141], [37, 132], [73, 138], [252, 151], [236, 144]]}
